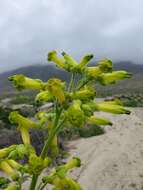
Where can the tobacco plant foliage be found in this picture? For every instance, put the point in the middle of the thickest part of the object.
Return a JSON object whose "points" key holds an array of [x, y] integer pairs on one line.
{"points": [[73, 105]]}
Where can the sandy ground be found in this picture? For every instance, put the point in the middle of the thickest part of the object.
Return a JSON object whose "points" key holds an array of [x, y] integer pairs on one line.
{"points": [[113, 161]]}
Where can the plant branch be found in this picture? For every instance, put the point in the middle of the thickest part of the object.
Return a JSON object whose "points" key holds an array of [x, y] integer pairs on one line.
{"points": [[71, 84]]}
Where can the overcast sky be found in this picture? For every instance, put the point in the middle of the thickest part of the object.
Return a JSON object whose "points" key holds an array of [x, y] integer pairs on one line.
{"points": [[107, 28]]}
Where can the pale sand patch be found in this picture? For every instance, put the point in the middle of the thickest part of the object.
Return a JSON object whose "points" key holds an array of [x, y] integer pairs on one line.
{"points": [[113, 161]]}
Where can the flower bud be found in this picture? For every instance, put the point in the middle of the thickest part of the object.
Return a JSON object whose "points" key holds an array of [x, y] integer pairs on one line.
{"points": [[8, 170], [52, 56], [22, 82], [75, 114], [56, 88], [44, 96], [98, 120], [110, 78]]}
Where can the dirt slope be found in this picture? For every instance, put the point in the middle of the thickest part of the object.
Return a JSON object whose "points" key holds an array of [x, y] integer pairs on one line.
{"points": [[113, 161]]}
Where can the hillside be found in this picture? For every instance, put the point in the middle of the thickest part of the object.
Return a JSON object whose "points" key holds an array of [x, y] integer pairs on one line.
{"points": [[45, 71]]}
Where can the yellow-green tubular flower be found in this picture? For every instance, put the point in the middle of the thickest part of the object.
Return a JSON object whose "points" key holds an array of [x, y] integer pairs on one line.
{"points": [[105, 65], [85, 60], [4, 166], [73, 185], [84, 94], [98, 120], [72, 64], [56, 88], [14, 164], [75, 114], [61, 182], [44, 96], [23, 82], [117, 109], [36, 164], [74, 162], [114, 102], [11, 187], [4, 152], [110, 78], [52, 56], [24, 124], [63, 169]]}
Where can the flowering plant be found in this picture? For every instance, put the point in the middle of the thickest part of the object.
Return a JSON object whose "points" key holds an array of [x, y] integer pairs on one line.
{"points": [[73, 104]]}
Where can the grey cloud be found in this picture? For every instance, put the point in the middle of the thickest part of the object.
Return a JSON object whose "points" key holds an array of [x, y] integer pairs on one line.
{"points": [[30, 28]]}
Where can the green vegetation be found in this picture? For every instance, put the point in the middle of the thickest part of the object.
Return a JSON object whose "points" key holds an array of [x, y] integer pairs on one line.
{"points": [[132, 99], [71, 133], [73, 105]]}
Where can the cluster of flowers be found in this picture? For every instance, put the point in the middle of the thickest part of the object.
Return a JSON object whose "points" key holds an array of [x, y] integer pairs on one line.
{"points": [[73, 105]]}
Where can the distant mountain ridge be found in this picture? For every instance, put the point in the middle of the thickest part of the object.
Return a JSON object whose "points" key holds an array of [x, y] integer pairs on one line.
{"points": [[46, 71]]}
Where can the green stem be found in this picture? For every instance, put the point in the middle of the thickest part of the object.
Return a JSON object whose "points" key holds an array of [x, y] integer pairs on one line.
{"points": [[51, 136], [33, 182], [46, 146], [83, 84]]}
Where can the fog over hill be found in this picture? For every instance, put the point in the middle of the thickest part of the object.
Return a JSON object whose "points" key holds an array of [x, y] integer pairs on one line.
{"points": [[46, 71]]}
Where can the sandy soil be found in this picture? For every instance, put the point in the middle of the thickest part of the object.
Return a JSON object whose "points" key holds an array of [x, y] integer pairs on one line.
{"points": [[113, 161]]}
